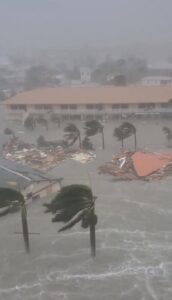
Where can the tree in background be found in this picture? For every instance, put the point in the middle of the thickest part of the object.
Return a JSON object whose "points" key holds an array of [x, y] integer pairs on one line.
{"points": [[125, 130], [73, 204], [119, 80], [9, 131], [94, 127], [9, 199], [2, 96], [55, 119], [30, 123], [42, 121], [37, 76], [86, 144], [41, 142], [168, 133], [72, 134]]}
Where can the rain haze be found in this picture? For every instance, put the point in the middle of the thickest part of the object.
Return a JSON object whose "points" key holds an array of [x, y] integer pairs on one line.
{"points": [[134, 24], [85, 150]]}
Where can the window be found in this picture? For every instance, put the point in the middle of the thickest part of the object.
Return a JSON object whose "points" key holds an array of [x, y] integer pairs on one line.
{"points": [[65, 117], [146, 106], [90, 106], [142, 105], [39, 106], [124, 106], [64, 106], [21, 106], [18, 107], [99, 106], [115, 106], [13, 107], [47, 106], [164, 105], [75, 117], [73, 106]]}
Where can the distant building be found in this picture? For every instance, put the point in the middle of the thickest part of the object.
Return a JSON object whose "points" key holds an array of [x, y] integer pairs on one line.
{"points": [[160, 69], [91, 102], [85, 74], [156, 81]]}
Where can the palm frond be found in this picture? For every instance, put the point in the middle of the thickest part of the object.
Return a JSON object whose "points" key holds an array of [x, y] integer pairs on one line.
{"points": [[70, 201], [74, 221], [71, 128], [124, 131], [168, 132], [93, 127], [5, 212], [9, 196]]}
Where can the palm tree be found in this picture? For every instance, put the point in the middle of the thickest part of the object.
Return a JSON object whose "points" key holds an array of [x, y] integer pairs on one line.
{"points": [[86, 144], [92, 128], [42, 121], [9, 131], [30, 123], [168, 133], [124, 131], [75, 203], [55, 119], [10, 199], [41, 142], [72, 134]]}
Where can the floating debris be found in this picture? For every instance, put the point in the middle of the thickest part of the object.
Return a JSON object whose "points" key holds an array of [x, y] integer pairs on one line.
{"points": [[139, 165], [83, 157], [42, 158], [28, 154]]}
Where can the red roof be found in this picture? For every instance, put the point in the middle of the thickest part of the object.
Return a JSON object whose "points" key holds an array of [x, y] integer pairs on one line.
{"points": [[94, 94], [148, 163]]}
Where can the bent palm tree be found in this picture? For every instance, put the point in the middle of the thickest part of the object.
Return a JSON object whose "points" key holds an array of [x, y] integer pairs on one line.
{"points": [[168, 133], [124, 131], [86, 144], [9, 131], [72, 134], [55, 119], [42, 121], [41, 142], [30, 123], [10, 198], [92, 128], [75, 203]]}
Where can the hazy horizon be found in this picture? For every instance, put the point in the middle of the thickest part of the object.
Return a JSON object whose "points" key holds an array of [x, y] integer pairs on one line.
{"points": [[127, 25]]}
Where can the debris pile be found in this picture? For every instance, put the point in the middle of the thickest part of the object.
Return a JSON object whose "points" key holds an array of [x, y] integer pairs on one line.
{"points": [[29, 154], [83, 157], [42, 158], [139, 165]]}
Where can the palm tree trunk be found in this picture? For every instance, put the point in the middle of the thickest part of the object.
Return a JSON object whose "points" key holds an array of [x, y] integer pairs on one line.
{"points": [[135, 141], [80, 143], [25, 228], [122, 143], [103, 140], [93, 239]]}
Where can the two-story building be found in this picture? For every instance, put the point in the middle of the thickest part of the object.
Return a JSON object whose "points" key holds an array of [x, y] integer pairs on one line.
{"points": [[88, 102]]}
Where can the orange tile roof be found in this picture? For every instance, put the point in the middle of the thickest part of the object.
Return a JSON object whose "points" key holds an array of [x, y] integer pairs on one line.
{"points": [[148, 163], [96, 94]]}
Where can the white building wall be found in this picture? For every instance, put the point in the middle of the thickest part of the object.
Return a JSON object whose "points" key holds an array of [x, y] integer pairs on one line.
{"points": [[156, 81], [85, 74], [82, 111]]}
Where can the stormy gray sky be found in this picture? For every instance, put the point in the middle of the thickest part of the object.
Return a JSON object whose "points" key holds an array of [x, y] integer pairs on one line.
{"points": [[36, 24]]}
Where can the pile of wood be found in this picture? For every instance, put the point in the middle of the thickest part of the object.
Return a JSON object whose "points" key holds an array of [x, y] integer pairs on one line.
{"points": [[138, 166]]}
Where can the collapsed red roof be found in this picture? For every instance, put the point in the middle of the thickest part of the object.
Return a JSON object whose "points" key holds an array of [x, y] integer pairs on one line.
{"points": [[148, 163]]}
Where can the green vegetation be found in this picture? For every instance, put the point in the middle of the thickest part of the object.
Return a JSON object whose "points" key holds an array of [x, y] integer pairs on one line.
{"points": [[73, 204], [10, 198]]}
